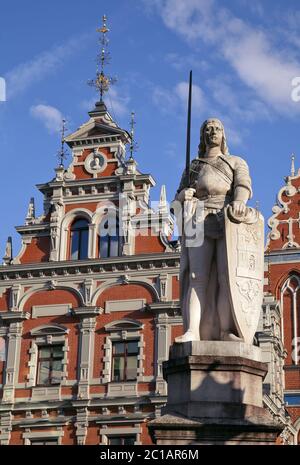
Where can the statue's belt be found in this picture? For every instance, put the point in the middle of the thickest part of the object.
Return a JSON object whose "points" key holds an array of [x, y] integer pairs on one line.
{"points": [[214, 197]]}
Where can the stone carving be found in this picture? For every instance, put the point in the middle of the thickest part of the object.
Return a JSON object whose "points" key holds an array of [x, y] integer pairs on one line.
{"points": [[221, 279]]}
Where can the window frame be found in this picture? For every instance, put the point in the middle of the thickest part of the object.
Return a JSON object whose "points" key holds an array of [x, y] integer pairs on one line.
{"points": [[120, 330], [80, 232], [42, 336], [124, 355], [108, 239], [51, 360]]}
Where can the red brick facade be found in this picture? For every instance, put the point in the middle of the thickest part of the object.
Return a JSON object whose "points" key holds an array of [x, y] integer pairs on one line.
{"points": [[282, 277], [48, 299]]}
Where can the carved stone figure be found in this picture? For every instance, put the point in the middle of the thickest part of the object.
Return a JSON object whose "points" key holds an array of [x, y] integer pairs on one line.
{"points": [[220, 280]]}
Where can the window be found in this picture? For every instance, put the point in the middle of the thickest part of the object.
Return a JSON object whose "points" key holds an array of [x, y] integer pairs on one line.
{"points": [[79, 239], [43, 442], [124, 360], [122, 440], [290, 304], [109, 238], [48, 358], [50, 365]]}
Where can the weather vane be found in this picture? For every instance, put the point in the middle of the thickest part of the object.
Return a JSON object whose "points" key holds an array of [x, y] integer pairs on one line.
{"points": [[62, 154], [133, 145], [102, 82]]}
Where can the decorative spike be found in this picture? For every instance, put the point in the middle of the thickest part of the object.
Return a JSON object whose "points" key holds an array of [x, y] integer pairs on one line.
{"points": [[62, 154], [133, 145], [293, 165], [102, 82], [162, 199], [30, 212], [7, 259]]}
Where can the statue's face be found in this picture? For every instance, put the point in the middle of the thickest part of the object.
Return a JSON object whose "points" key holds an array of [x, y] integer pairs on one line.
{"points": [[213, 133]]}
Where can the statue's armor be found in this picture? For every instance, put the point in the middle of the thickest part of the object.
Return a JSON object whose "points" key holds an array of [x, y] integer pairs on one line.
{"points": [[215, 180]]}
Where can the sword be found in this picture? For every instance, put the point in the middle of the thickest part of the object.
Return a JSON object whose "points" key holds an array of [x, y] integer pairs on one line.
{"points": [[188, 205], [188, 134]]}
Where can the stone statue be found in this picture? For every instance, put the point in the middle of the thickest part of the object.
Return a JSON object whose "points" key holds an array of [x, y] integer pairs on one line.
{"points": [[221, 280]]}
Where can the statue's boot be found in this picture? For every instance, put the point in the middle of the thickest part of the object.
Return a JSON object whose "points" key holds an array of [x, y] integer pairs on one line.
{"points": [[227, 336], [187, 337]]}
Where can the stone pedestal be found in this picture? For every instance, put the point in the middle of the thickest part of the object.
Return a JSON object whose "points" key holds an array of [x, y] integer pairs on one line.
{"points": [[214, 396]]}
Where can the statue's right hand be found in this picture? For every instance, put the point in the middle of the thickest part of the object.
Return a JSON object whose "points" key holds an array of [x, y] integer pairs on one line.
{"points": [[186, 194]]}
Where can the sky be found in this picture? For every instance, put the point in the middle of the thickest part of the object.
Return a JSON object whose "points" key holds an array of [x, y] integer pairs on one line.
{"points": [[245, 58]]}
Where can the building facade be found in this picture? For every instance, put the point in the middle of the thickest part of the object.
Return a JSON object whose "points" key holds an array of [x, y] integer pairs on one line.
{"points": [[90, 305], [87, 317], [282, 279]]}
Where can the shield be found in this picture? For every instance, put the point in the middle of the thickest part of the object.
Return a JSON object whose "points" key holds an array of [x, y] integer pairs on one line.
{"points": [[245, 258]]}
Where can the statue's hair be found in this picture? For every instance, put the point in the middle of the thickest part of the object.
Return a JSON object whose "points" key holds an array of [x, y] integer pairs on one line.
{"points": [[202, 145]]}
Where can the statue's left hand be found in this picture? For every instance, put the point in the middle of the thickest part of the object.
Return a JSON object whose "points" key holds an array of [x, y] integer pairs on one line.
{"points": [[238, 207]]}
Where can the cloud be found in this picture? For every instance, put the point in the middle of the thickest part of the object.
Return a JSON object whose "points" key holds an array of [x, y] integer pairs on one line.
{"points": [[242, 104], [20, 78], [261, 64], [172, 100], [184, 62], [116, 104], [182, 89], [51, 117]]}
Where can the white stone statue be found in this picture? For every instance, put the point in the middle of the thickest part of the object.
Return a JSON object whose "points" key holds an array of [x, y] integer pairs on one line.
{"points": [[221, 281]]}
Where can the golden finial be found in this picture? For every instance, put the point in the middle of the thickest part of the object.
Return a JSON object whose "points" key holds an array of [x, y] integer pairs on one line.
{"points": [[102, 82], [104, 29]]}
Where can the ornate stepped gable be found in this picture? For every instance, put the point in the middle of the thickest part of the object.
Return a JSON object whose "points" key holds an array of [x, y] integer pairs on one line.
{"points": [[98, 173], [285, 221]]}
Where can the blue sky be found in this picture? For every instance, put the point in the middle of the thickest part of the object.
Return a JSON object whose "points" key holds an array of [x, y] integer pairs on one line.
{"points": [[243, 55]]}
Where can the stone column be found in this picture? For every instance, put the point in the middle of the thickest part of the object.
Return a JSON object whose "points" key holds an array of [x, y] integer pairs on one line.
{"points": [[162, 350], [12, 363], [81, 425], [5, 428], [87, 330]]}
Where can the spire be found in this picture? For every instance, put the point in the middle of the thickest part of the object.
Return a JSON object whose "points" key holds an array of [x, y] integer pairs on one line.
{"points": [[30, 212], [133, 144], [7, 259], [293, 165], [62, 153], [162, 206], [102, 82]]}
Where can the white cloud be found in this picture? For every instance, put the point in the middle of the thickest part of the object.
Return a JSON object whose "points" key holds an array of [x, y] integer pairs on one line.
{"points": [[51, 117], [253, 54], [184, 62], [116, 104], [175, 99], [182, 89], [36, 69]]}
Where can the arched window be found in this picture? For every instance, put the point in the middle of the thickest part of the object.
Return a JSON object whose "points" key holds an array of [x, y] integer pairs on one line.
{"points": [[79, 239], [290, 304], [109, 238]]}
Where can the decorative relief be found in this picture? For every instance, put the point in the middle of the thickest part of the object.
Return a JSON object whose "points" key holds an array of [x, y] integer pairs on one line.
{"points": [[284, 207], [95, 162]]}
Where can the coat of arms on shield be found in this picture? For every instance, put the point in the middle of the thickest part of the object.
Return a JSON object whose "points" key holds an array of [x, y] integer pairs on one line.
{"points": [[245, 256]]}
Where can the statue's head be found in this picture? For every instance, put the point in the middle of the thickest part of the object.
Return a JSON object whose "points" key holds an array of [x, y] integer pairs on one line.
{"points": [[212, 134]]}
